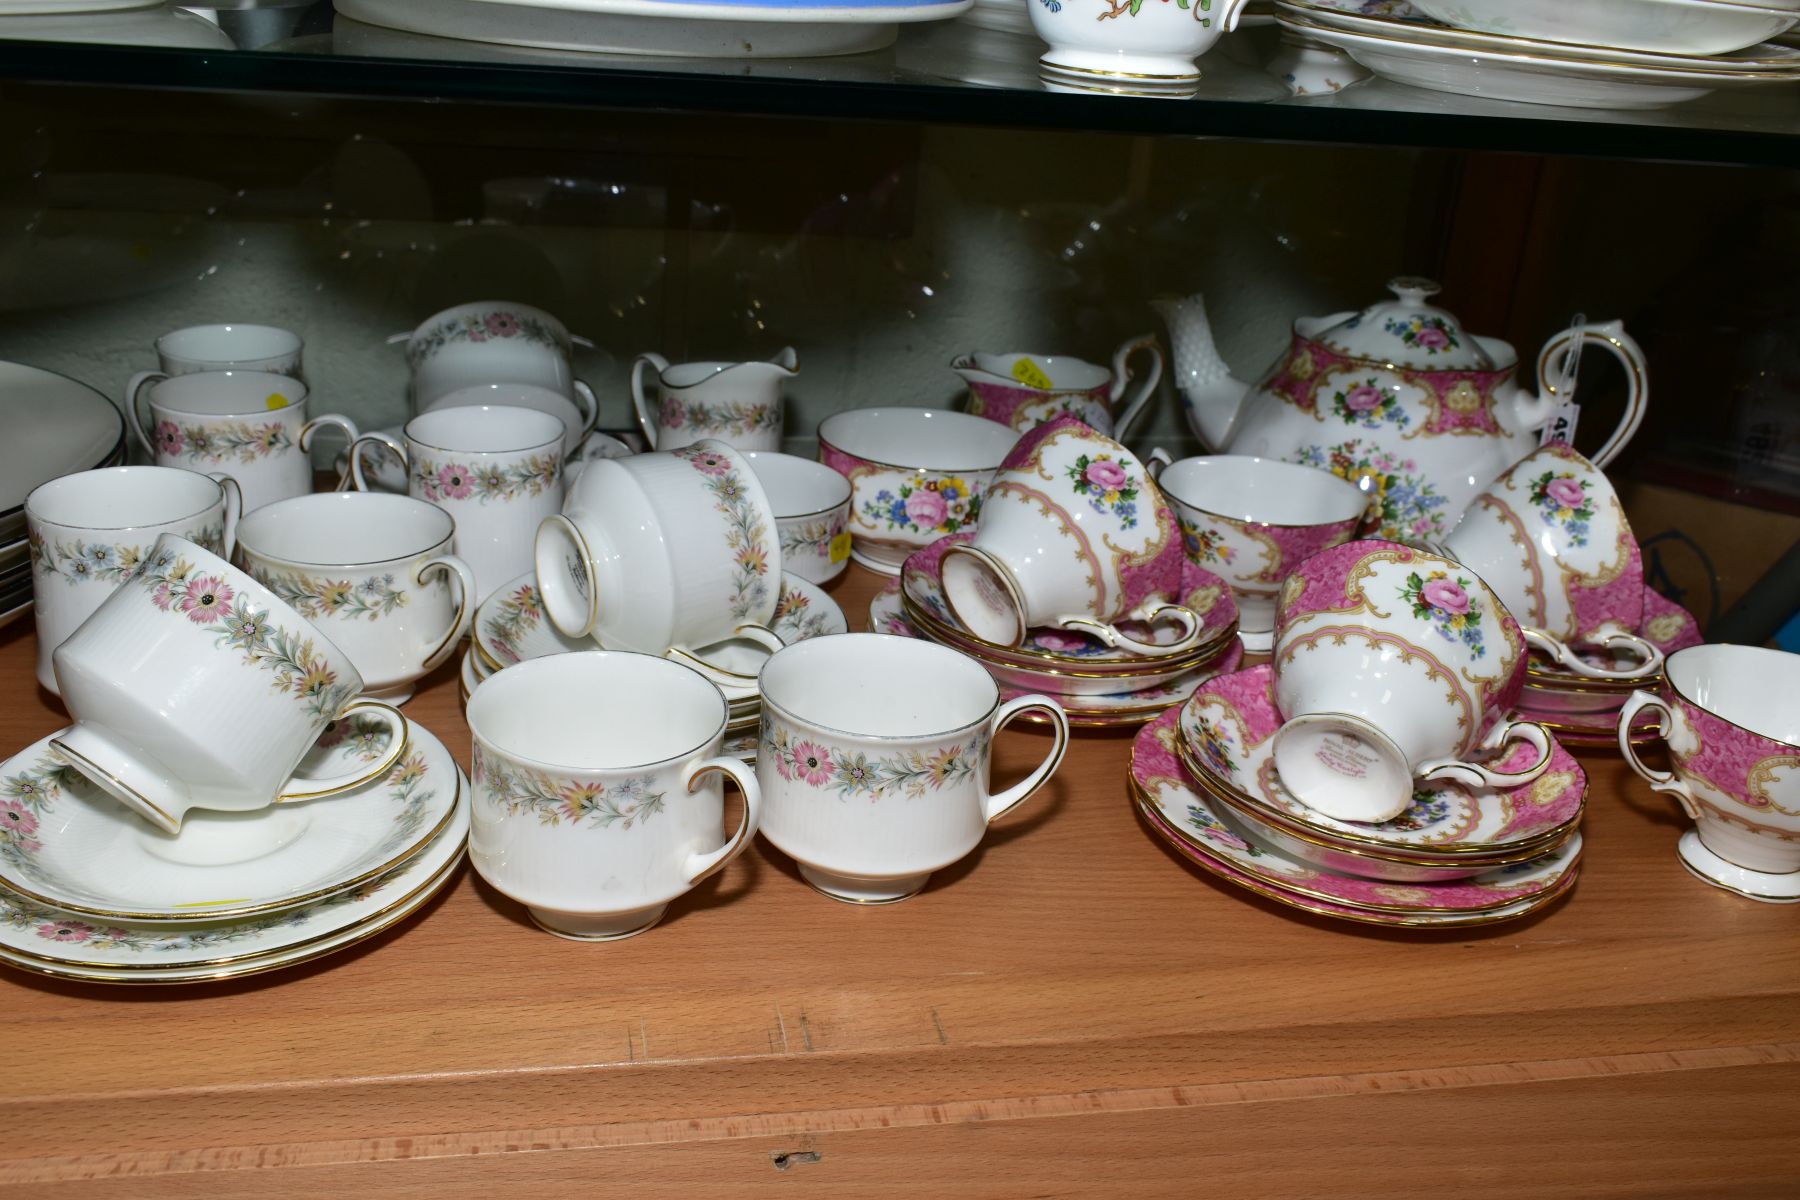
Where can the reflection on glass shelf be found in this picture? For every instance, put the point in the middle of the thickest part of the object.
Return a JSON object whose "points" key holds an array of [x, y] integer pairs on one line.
{"points": [[966, 71]]}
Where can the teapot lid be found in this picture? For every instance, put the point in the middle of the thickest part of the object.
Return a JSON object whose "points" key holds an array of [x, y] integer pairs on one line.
{"points": [[1408, 332]]}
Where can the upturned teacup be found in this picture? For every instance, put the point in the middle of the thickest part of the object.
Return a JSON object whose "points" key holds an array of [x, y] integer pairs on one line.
{"points": [[1730, 718], [373, 572], [487, 341], [597, 791], [735, 403], [92, 531], [250, 425], [1392, 664], [811, 503], [874, 760], [1550, 537], [497, 470], [193, 686], [1253, 520], [1073, 535], [232, 347], [915, 474], [1026, 390]]}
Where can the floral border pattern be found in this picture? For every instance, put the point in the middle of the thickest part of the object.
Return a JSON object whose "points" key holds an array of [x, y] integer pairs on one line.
{"points": [[113, 563], [518, 614], [850, 773], [315, 597], [732, 420], [214, 443], [440, 481], [745, 533], [554, 800], [499, 325], [813, 537]]}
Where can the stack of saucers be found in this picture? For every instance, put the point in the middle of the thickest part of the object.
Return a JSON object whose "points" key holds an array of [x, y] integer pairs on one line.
{"points": [[1097, 685], [510, 627], [1203, 777], [89, 891]]}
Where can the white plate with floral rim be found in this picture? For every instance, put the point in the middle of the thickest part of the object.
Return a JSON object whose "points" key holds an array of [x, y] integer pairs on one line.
{"points": [[1162, 780], [1228, 731], [52, 940], [65, 843]]}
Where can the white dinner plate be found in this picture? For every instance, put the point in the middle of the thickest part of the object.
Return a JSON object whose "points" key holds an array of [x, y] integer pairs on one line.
{"points": [[54, 426]]}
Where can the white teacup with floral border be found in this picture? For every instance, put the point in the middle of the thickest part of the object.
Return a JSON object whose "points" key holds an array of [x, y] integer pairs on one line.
{"points": [[193, 686], [92, 531], [1073, 535], [232, 347], [497, 470], [373, 572], [735, 403], [488, 341], [1730, 717], [597, 791], [874, 760], [915, 474], [1026, 390], [1550, 536], [666, 552], [811, 503], [1392, 664], [1253, 520], [250, 425]]}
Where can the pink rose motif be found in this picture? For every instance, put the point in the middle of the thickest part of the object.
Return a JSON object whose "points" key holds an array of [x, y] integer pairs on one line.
{"points": [[168, 438], [17, 820], [1106, 475], [205, 598], [1068, 643], [502, 324], [926, 509], [65, 931], [1365, 397], [674, 413], [812, 763], [455, 481], [1432, 338], [1446, 596], [1567, 492], [709, 463]]}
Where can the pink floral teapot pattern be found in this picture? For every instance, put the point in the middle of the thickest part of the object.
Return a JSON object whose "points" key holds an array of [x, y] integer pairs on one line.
{"points": [[1397, 398]]}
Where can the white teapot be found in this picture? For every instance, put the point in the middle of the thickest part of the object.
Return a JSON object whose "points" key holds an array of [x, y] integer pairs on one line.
{"points": [[1397, 398]]}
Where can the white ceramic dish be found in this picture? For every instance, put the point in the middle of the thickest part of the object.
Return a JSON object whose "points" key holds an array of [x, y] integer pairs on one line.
{"points": [[54, 426], [1669, 26], [71, 846], [658, 27], [811, 503]]}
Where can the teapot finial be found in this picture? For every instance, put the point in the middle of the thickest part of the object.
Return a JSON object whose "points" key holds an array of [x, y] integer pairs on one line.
{"points": [[1414, 289]]}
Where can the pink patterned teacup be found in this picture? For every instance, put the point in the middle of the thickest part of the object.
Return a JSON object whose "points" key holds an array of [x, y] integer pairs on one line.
{"points": [[1073, 535], [1550, 537], [1253, 520], [1731, 721], [1026, 390], [1392, 664]]}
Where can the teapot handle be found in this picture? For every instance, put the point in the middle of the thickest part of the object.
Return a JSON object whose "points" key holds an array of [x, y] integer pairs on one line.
{"points": [[1610, 336]]}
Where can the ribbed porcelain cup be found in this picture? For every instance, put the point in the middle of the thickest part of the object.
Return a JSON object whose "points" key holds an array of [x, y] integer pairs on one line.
{"points": [[874, 760], [811, 503], [1392, 664], [497, 470], [735, 403], [915, 475], [1024, 391], [193, 686], [1551, 538], [488, 341], [1072, 535], [92, 531], [665, 552], [598, 797], [1730, 718], [373, 572], [1253, 520], [232, 347], [250, 425], [577, 415]]}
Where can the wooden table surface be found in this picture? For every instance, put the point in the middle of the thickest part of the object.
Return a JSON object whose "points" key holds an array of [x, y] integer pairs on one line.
{"points": [[1071, 1010]]}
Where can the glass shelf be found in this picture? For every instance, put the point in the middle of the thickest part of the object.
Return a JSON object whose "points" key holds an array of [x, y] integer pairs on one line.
{"points": [[945, 72]]}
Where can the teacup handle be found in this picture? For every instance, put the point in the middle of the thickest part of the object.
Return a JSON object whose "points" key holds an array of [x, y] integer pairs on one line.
{"points": [[1650, 658], [589, 404], [1193, 626], [329, 421], [1121, 365], [1156, 462], [998, 806], [639, 401], [331, 785], [234, 508], [449, 564], [1661, 781], [1477, 775], [132, 391], [760, 634], [699, 866], [372, 441]]}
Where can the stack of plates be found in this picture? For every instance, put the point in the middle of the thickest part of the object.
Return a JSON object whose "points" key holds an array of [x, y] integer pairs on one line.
{"points": [[54, 426], [1203, 776], [1097, 685], [510, 627], [1405, 45], [89, 891]]}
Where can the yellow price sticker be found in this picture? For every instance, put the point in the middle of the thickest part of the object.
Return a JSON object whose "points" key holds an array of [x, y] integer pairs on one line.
{"points": [[1031, 375], [840, 547], [277, 400]]}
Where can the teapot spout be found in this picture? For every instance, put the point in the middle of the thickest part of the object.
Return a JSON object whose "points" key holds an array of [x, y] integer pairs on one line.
{"points": [[1210, 394]]}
